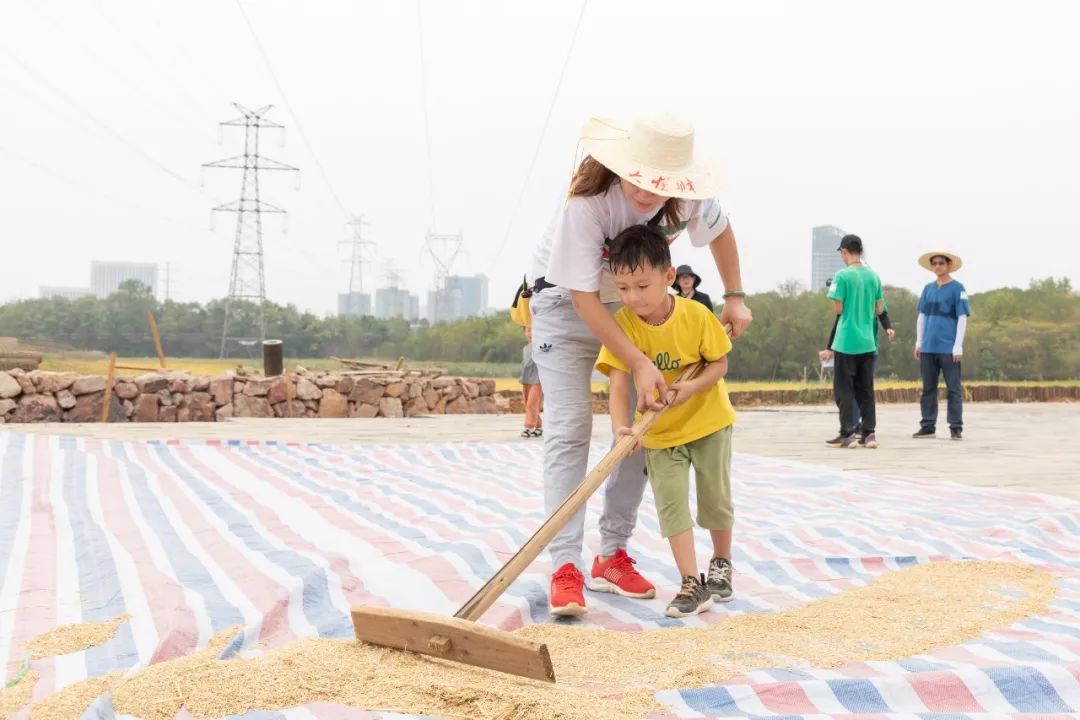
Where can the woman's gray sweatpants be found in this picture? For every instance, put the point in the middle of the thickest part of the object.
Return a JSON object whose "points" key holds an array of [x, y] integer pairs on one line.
{"points": [[565, 351]]}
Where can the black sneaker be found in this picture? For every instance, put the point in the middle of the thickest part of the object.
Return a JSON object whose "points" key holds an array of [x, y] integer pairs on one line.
{"points": [[691, 599], [956, 434], [924, 432], [843, 441], [718, 581]]}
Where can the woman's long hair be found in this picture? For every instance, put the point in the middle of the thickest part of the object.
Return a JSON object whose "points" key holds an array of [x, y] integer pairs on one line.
{"points": [[593, 178]]}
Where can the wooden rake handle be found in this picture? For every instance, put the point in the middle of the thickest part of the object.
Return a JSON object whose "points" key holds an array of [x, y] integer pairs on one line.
{"points": [[486, 596]]}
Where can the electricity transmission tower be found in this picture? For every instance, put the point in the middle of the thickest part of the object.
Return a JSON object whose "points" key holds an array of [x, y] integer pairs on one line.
{"points": [[361, 252], [393, 277], [247, 281], [444, 250]]}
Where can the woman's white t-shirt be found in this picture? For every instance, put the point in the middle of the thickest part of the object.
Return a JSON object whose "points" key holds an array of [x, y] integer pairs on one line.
{"points": [[572, 253]]}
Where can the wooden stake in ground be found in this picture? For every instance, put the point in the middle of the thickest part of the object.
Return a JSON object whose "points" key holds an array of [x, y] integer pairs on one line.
{"points": [[460, 638], [109, 380], [157, 338]]}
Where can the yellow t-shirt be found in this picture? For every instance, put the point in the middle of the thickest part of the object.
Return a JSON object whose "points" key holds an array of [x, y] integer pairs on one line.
{"points": [[690, 334]]}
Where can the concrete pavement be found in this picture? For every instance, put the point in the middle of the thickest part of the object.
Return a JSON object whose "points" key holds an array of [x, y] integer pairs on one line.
{"points": [[1032, 446]]}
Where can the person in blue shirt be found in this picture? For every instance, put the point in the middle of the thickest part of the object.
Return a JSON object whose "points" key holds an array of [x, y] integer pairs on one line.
{"points": [[939, 342]]}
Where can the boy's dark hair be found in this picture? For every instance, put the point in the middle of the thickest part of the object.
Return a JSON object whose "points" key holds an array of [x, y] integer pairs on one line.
{"points": [[639, 246], [851, 243]]}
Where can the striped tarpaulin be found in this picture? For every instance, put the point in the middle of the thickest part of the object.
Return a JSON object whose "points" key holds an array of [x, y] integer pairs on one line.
{"points": [[190, 538]]}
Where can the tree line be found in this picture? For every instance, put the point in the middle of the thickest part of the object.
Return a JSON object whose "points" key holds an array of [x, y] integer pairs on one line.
{"points": [[1013, 334]]}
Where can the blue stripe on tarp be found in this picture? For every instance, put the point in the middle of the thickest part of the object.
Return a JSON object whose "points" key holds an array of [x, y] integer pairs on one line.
{"points": [[101, 709], [12, 485], [313, 582], [1027, 689], [922, 665], [1050, 626], [715, 700], [99, 582], [1021, 651], [188, 569], [858, 695]]}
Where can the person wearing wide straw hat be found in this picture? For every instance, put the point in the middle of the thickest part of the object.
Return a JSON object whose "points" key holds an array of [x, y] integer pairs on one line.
{"points": [[642, 172], [686, 282], [939, 342]]}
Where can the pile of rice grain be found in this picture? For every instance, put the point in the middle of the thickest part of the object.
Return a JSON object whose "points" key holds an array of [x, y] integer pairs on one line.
{"points": [[74, 638], [900, 614], [16, 696]]}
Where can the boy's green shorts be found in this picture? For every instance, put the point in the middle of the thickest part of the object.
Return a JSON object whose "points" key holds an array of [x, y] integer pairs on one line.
{"points": [[669, 475]]}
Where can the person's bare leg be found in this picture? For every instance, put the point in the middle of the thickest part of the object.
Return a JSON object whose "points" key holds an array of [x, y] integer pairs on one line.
{"points": [[682, 547], [721, 543]]}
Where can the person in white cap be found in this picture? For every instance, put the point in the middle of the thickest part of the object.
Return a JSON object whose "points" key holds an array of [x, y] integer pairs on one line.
{"points": [[939, 342], [643, 172]]}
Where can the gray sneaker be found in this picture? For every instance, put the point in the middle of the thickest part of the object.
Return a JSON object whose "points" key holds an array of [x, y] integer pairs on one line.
{"points": [[691, 599], [719, 580]]}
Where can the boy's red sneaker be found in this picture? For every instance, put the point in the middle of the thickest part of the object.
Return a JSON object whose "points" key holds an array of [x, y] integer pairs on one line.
{"points": [[618, 575], [566, 591]]}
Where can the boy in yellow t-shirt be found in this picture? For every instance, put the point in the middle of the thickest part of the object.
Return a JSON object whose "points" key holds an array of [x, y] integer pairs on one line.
{"points": [[695, 430]]}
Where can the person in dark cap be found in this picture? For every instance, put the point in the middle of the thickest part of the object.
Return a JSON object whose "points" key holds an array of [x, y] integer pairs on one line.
{"points": [[686, 282], [857, 294]]}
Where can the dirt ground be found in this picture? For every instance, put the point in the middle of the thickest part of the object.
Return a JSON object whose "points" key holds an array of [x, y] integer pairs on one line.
{"points": [[1030, 446]]}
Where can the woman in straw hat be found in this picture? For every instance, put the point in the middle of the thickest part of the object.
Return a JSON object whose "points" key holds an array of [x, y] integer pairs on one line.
{"points": [[633, 173]]}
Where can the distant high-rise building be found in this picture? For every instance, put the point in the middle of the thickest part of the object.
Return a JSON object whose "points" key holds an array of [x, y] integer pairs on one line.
{"points": [[68, 293], [106, 277], [353, 303], [462, 297], [825, 260], [393, 302]]}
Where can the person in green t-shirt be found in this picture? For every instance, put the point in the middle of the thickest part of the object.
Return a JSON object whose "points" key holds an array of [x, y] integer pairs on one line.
{"points": [[857, 294]]}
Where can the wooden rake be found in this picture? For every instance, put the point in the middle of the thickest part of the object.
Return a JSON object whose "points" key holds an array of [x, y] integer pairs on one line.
{"points": [[460, 638]]}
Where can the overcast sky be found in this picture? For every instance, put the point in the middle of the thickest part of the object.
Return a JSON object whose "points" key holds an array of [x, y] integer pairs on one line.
{"points": [[915, 125]]}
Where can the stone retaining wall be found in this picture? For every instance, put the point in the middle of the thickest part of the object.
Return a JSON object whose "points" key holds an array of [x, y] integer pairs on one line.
{"points": [[170, 396]]}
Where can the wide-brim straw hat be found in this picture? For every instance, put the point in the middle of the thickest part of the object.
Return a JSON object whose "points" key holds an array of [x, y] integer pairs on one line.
{"points": [[653, 152], [955, 263]]}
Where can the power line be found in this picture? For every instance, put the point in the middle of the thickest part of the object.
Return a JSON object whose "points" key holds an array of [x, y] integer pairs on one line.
{"points": [[96, 189], [188, 60], [105, 127], [288, 106], [116, 69], [540, 140], [423, 96], [103, 12]]}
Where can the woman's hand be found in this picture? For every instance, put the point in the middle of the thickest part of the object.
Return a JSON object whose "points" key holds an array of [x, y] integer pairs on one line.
{"points": [[736, 314], [651, 387]]}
